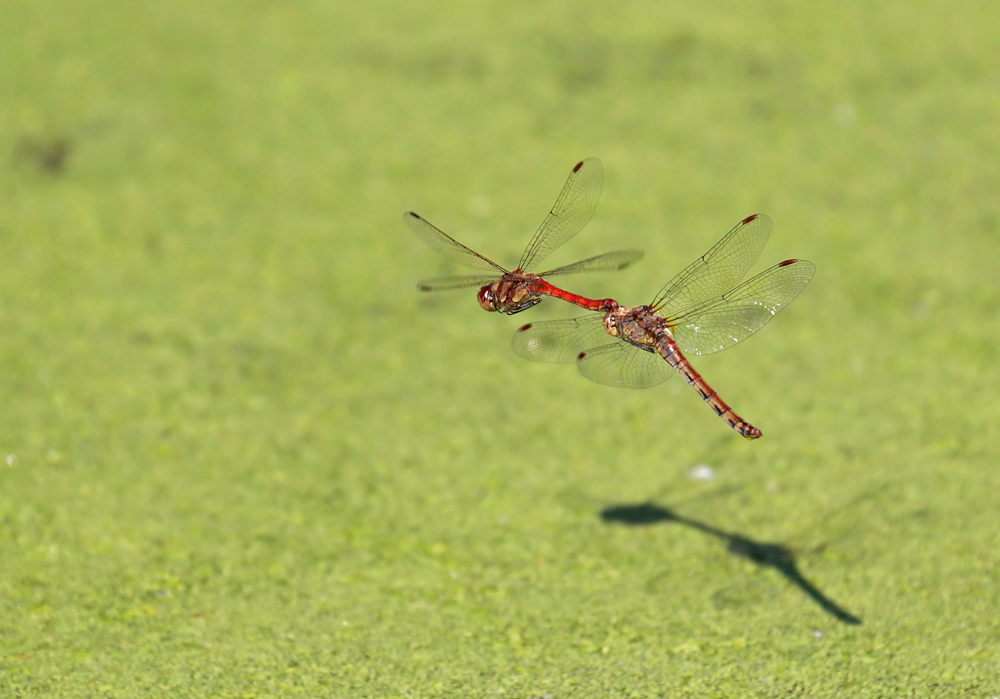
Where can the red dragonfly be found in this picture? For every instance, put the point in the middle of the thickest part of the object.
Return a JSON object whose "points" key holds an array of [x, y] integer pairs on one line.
{"points": [[513, 292], [703, 310]]}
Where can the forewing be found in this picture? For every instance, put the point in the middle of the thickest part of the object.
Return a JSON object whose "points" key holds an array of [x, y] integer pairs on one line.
{"points": [[573, 208], [624, 365], [736, 315], [608, 262], [461, 282], [718, 270], [448, 246], [559, 341]]}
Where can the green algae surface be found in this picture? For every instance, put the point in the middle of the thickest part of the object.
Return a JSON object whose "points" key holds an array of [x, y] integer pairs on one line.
{"points": [[241, 455]]}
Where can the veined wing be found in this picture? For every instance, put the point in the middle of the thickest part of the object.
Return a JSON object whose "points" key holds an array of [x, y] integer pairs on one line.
{"points": [[573, 208], [736, 315], [559, 341], [608, 262], [624, 365], [448, 246], [718, 270], [445, 283]]}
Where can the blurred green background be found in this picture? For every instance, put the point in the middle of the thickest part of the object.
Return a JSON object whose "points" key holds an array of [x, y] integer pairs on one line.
{"points": [[247, 458]]}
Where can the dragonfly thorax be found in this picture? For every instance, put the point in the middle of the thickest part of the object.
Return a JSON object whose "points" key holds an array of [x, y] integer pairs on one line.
{"points": [[637, 325]]}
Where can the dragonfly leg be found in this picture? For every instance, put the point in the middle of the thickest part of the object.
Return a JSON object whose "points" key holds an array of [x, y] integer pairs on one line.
{"points": [[523, 306]]}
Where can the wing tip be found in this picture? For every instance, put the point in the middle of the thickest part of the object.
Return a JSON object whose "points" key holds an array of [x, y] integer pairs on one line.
{"points": [[763, 218], [592, 162], [806, 266], [631, 257]]}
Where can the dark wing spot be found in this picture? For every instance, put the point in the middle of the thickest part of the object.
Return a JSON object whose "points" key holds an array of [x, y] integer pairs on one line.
{"points": [[581, 356], [748, 219], [523, 328], [578, 166], [787, 262]]}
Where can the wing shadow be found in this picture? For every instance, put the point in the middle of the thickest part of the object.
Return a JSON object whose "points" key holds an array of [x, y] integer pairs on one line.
{"points": [[764, 554]]}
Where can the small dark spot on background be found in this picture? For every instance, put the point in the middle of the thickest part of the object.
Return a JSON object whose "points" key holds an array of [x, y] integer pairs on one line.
{"points": [[47, 155]]}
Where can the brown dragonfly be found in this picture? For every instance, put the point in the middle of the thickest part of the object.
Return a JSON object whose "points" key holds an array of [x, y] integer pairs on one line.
{"points": [[511, 292], [703, 310]]}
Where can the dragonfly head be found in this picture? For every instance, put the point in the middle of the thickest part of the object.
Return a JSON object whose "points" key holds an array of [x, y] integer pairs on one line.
{"points": [[487, 298], [613, 317]]}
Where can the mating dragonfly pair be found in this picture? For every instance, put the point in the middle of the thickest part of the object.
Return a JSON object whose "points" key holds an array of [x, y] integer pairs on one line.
{"points": [[704, 309]]}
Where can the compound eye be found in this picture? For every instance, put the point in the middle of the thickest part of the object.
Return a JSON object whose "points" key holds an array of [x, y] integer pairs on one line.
{"points": [[485, 298]]}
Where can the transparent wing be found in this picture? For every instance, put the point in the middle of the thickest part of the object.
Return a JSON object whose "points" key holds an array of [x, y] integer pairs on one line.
{"points": [[608, 262], [559, 341], [448, 246], [573, 208], [624, 365], [718, 270], [445, 283], [736, 315]]}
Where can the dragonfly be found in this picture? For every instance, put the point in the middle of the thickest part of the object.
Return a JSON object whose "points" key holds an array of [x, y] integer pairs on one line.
{"points": [[514, 291], [703, 310]]}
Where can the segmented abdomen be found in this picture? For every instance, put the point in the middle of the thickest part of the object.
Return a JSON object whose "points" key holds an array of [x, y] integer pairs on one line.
{"points": [[540, 286], [669, 350]]}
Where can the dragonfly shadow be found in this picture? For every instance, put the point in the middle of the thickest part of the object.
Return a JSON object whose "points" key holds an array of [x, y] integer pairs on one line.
{"points": [[770, 555]]}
